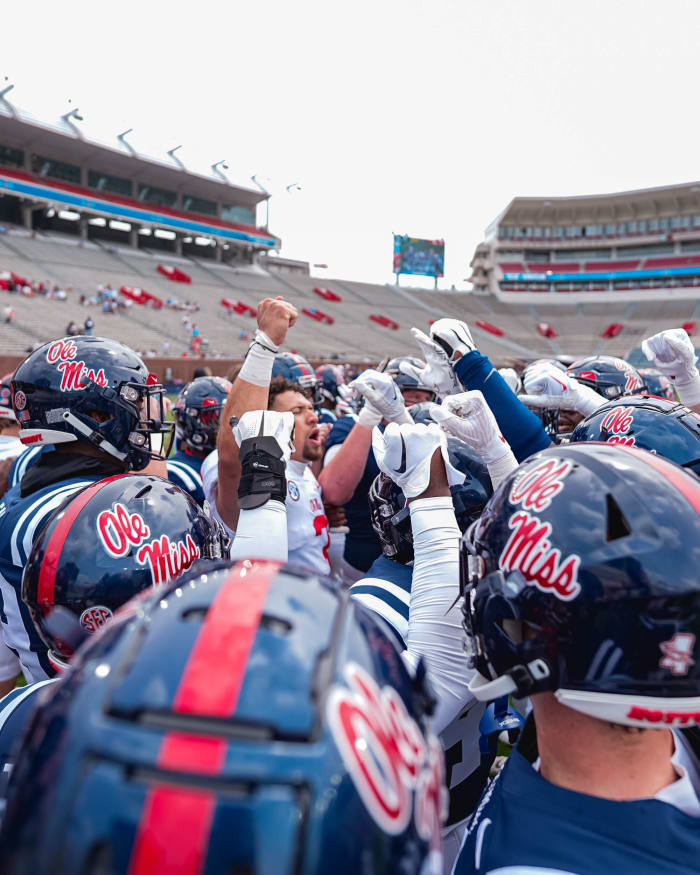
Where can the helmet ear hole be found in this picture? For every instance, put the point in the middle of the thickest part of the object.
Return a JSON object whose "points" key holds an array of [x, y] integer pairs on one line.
{"points": [[618, 527], [514, 630]]}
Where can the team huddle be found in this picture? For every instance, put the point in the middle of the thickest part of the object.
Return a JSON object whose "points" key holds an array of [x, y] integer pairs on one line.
{"points": [[440, 618]]}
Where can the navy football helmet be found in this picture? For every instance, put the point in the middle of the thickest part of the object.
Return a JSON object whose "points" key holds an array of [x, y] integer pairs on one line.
{"points": [[389, 514], [95, 390], [581, 578], [329, 378], [403, 381], [197, 413], [108, 542], [654, 424], [657, 383], [294, 367], [247, 719], [609, 376], [7, 414]]}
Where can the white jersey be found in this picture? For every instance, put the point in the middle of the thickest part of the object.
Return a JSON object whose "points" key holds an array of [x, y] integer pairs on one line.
{"points": [[10, 447], [307, 527]]}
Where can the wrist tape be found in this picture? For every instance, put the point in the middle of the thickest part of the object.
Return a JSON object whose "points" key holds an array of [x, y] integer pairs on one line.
{"points": [[263, 474]]}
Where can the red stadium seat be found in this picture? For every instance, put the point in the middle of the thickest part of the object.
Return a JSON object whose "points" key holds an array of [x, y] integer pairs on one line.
{"points": [[239, 307], [512, 267], [672, 261], [141, 296], [487, 326], [546, 329], [318, 315], [689, 327], [606, 266], [19, 280], [556, 267], [384, 321], [174, 274], [328, 294], [613, 330]]}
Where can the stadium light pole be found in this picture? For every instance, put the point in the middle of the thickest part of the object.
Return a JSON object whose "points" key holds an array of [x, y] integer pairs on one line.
{"points": [[215, 170], [176, 160], [68, 117], [124, 143], [5, 91]]}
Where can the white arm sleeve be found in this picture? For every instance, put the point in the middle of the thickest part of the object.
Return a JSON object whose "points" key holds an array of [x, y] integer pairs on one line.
{"points": [[262, 533], [435, 615]]}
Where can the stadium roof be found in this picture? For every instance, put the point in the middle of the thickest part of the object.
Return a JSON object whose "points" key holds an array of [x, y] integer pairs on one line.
{"points": [[66, 142], [670, 200]]}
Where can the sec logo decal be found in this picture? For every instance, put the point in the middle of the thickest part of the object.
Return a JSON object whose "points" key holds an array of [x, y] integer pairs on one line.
{"points": [[92, 618], [293, 490], [20, 400]]}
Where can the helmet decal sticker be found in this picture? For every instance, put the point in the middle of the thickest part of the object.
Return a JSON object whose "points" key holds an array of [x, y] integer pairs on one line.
{"points": [[536, 488], [677, 653], [62, 354], [668, 718], [168, 559], [529, 551], [120, 530], [386, 754], [618, 422], [94, 617]]}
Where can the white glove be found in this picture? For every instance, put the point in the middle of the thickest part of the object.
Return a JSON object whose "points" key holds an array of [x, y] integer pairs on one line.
{"points": [[546, 386], [383, 399], [453, 336], [437, 374], [468, 417], [404, 453], [268, 423], [672, 352], [511, 377]]}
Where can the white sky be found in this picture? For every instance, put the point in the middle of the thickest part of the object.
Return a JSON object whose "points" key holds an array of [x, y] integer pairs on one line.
{"points": [[417, 117]]}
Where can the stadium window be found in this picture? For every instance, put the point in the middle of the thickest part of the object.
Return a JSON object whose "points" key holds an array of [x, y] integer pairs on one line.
{"points": [[653, 225], [11, 157], [675, 223], [643, 226], [106, 182], [663, 224], [98, 222], [547, 232], [198, 205], [43, 166], [119, 226], [685, 222], [622, 229], [559, 232], [163, 234], [537, 233], [696, 221], [150, 194], [68, 215], [609, 230]]}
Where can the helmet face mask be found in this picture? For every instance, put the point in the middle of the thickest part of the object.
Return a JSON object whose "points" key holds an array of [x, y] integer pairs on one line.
{"points": [[607, 375], [567, 587]]}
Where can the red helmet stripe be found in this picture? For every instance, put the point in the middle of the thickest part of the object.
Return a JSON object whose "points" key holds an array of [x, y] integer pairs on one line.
{"points": [[683, 482], [52, 553], [173, 833]]}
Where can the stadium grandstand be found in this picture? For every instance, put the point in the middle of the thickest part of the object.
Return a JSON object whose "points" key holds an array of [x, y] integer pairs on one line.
{"points": [[614, 264], [173, 263]]}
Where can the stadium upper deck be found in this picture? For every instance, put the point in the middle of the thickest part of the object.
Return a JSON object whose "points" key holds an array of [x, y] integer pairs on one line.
{"points": [[53, 178], [635, 241]]}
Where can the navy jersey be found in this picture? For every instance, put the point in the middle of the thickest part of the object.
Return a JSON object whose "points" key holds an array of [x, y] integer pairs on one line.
{"points": [[184, 471], [525, 824], [15, 710], [325, 415], [361, 544], [21, 518], [24, 462], [387, 590]]}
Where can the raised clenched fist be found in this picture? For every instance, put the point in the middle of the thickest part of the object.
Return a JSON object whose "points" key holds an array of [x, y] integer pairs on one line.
{"points": [[275, 317]]}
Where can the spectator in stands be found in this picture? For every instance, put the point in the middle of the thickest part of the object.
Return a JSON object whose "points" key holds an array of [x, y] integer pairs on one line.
{"points": [[89, 325], [72, 329], [8, 314]]}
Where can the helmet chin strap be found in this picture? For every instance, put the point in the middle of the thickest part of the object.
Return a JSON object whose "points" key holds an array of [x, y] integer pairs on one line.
{"points": [[90, 433]]}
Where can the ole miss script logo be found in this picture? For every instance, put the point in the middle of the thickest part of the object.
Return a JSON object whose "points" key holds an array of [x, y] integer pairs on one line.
{"points": [[529, 549], [62, 354], [387, 756], [617, 423], [121, 532]]}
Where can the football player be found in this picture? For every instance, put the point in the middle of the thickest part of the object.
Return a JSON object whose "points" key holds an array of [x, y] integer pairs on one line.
{"points": [[95, 401], [573, 598], [254, 389], [142, 531], [197, 415]]}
